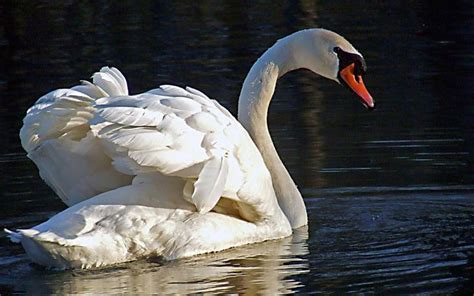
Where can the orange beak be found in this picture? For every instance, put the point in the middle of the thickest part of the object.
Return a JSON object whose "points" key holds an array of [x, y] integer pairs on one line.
{"points": [[347, 74]]}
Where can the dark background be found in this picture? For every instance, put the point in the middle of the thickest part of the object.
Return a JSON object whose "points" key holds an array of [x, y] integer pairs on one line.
{"points": [[420, 57]]}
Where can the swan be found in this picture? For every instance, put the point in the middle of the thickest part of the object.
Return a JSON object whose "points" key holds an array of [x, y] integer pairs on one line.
{"points": [[170, 172]]}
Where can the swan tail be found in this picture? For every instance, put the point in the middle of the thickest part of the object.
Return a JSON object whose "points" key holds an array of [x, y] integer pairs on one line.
{"points": [[50, 252], [43, 252], [15, 237], [48, 249]]}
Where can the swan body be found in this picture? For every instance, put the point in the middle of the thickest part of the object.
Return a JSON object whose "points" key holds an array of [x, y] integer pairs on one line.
{"points": [[168, 172]]}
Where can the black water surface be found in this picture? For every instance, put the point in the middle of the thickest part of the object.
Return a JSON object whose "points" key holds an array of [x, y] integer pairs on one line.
{"points": [[389, 193]]}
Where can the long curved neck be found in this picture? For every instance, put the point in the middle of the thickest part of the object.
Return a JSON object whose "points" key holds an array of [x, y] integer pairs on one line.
{"points": [[254, 101]]}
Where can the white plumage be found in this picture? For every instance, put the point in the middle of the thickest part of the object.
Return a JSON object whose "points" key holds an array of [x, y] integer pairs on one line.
{"points": [[166, 173], [139, 173]]}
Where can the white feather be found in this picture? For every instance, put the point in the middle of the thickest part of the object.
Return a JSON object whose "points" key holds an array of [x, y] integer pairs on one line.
{"points": [[113, 83], [173, 90], [203, 122], [182, 104], [211, 183], [192, 179], [119, 78], [130, 116], [90, 89]]}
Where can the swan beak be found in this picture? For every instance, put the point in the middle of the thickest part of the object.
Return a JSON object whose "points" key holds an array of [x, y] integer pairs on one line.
{"points": [[357, 85]]}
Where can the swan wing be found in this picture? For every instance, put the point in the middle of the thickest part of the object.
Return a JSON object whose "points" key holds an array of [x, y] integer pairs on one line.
{"points": [[176, 132], [110, 137], [211, 183], [153, 173], [56, 135]]}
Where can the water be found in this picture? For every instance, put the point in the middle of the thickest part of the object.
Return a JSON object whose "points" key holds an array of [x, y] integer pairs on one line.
{"points": [[389, 193]]}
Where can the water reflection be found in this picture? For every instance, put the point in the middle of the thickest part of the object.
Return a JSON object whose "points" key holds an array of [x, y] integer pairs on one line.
{"points": [[268, 268]]}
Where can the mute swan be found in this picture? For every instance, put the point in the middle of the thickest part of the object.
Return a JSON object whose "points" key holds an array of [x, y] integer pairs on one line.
{"points": [[170, 172]]}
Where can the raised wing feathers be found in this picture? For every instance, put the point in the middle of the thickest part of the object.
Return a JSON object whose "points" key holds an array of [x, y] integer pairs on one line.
{"points": [[56, 135], [56, 114], [111, 81], [175, 131], [67, 112], [130, 116]]}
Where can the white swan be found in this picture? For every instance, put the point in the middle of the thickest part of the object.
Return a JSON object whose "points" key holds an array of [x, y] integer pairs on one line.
{"points": [[170, 172]]}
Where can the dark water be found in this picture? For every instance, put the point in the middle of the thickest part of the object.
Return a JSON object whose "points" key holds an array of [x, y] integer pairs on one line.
{"points": [[390, 193]]}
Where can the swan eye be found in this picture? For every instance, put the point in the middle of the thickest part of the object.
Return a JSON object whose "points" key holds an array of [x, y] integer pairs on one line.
{"points": [[360, 68], [336, 49]]}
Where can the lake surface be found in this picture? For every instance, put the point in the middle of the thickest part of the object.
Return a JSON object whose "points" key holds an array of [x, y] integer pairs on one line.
{"points": [[390, 193]]}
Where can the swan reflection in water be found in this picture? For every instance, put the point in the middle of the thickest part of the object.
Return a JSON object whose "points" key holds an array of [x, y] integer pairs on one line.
{"points": [[265, 268]]}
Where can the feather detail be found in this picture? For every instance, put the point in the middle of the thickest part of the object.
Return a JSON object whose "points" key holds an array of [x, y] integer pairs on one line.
{"points": [[90, 89], [130, 116], [119, 78], [111, 81], [210, 185]]}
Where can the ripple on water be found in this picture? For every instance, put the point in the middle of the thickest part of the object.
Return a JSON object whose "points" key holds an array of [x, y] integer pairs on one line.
{"points": [[361, 241], [407, 241]]}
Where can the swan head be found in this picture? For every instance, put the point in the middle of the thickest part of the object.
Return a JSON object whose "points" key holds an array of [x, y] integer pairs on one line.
{"points": [[332, 56]]}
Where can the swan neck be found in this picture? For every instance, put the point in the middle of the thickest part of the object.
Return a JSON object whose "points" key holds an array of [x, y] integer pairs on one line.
{"points": [[254, 101]]}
